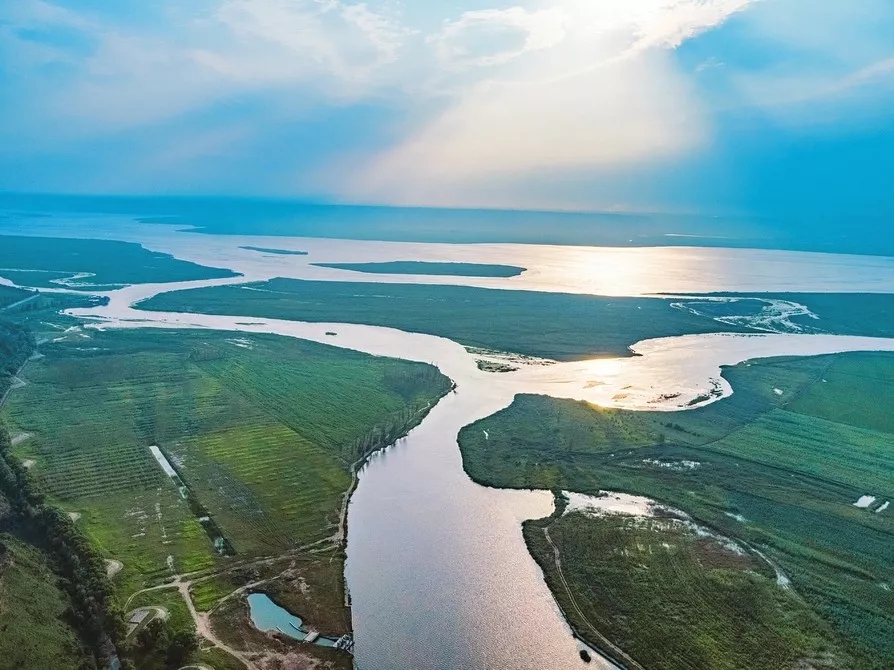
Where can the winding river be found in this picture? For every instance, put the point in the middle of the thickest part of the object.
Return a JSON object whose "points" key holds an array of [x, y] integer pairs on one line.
{"points": [[438, 572]]}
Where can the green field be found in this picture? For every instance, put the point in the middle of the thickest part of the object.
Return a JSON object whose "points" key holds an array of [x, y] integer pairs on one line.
{"points": [[778, 471], [263, 430], [637, 580], [554, 325], [427, 268], [91, 264]]}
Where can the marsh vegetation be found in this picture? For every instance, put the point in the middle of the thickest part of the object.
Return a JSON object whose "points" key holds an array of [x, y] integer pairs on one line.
{"points": [[779, 467]]}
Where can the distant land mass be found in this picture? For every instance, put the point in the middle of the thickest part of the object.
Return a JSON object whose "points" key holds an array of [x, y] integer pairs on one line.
{"points": [[280, 252], [271, 217], [428, 268]]}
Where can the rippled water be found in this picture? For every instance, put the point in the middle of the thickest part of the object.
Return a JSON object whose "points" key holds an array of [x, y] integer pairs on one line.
{"points": [[438, 572]]}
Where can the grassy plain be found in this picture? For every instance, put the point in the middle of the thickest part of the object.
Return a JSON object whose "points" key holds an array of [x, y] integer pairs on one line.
{"points": [[778, 466], [262, 429], [46, 261], [671, 597], [428, 268], [554, 325]]}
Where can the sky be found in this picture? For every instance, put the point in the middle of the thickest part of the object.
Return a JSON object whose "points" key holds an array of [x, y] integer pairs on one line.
{"points": [[765, 107]]}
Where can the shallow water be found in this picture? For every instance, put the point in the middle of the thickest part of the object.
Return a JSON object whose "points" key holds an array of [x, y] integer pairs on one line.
{"points": [[438, 572], [620, 271]]}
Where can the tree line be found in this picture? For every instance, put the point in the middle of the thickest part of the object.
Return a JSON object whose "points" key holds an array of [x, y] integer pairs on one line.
{"points": [[16, 346]]}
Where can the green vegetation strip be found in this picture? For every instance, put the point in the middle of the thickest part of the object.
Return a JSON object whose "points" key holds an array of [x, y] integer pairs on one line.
{"points": [[428, 268], [553, 325], [54, 262], [778, 466]]}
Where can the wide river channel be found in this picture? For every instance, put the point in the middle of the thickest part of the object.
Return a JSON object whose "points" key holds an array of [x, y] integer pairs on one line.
{"points": [[439, 576]]}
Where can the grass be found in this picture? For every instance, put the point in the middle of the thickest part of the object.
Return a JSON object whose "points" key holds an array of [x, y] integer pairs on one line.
{"points": [[674, 599], [790, 465], [553, 325], [427, 268], [33, 628], [48, 262], [263, 430]]}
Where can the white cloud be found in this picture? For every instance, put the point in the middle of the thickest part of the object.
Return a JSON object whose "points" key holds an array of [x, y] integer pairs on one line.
{"points": [[340, 44], [496, 36], [603, 92], [488, 96]]}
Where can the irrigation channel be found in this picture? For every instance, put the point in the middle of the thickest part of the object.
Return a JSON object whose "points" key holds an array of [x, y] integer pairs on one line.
{"points": [[437, 569]]}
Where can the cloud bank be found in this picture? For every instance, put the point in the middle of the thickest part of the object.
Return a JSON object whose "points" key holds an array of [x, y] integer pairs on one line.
{"points": [[381, 102]]}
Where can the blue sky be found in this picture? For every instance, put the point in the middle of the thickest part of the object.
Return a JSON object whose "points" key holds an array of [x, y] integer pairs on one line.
{"points": [[771, 107]]}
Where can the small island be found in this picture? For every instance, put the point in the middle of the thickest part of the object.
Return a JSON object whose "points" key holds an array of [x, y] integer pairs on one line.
{"points": [[279, 252], [429, 268]]}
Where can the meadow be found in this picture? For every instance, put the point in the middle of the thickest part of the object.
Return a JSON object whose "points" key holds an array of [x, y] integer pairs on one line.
{"points": [[46, 262], [428, 268], [777, 466], [262, 430], [638, 579], [552, 325]]}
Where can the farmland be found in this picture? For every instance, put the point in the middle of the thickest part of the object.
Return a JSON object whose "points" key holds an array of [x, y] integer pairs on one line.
{"points": [[95, 264], [262, 430], [777, 466], [427, 268], [553, 325]]}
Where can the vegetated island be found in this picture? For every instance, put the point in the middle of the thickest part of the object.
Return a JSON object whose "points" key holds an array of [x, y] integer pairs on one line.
{"points": [[258, 471], [784, 558], [558, 326], [429, 268], [279, 252], [92, 265]]}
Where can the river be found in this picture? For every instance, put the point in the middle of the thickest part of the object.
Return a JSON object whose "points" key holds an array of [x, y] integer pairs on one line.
{"points": [[438, 572]]}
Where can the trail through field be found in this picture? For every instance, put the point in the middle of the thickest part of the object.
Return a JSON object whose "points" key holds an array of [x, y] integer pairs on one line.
{"points": [[24, 301], [21, 437], [113, 568], [203, 627], [604, 642]]}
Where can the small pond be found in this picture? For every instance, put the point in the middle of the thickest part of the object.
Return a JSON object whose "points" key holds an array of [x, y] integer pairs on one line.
{"points": [[267, 616]]}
